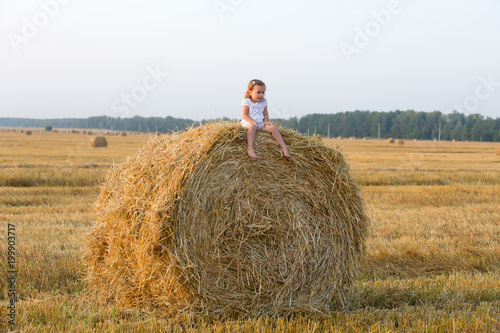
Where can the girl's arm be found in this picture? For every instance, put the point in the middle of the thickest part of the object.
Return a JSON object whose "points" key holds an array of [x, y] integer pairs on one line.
{"points": [[266, 115], [245, 115]]}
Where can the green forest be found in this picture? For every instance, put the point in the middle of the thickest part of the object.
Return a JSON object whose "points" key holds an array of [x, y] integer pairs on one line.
{"points": [[372, 124]]}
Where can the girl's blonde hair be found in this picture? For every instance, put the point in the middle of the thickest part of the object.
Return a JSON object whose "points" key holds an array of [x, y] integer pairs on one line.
{"points": [[251, 84]]}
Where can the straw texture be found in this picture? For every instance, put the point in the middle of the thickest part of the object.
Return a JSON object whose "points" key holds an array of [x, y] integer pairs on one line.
{"points": [[190, 222], [98, 141]]}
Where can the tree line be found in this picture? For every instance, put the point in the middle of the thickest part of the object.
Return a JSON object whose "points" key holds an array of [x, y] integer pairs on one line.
{"points": [[408, 124]]}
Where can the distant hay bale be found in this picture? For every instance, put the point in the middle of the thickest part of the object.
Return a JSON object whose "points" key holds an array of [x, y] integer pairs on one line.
{"points": [[90, 133], [189, 222], [29, 132], [84, 132], [21, 131], [364, 139], [435, 140], [54, 131], [454, 140], [401, 142], [390, 140], [98, 142], [123, 133], [415, 140], [339, 138]]}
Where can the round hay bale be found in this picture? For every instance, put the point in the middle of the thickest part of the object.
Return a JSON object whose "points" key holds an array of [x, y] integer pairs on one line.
{"points": [[90, 133], [454, 140], [54, 131], [123, 134], [21, 131], [390, 140], [364, 139], [98, 142], [415, 140], [29, 132], [339, 138], [84, 132], [191, 222], [401, 142]]}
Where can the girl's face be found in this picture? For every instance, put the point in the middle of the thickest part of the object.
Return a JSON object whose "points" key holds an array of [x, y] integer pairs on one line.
{"points": [[257, 93]]}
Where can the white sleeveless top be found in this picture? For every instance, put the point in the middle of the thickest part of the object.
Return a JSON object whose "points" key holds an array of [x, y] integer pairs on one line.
{"points": [[255, 110]]}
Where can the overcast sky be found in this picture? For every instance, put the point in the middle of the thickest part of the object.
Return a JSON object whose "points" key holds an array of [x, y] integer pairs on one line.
{"points": [[193, 59]]}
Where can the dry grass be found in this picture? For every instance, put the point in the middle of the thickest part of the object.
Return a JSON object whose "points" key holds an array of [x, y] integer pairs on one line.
{"points": [[433, 250], [98, 142], [200, 228]]}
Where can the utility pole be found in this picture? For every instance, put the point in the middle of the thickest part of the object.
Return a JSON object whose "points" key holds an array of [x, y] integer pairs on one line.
{"points": [[379, 129], [439, 139], [328, 130]]}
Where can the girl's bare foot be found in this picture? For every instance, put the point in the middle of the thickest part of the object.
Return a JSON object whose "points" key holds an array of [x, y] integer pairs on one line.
{"points": [[251, 153], [285, 152]]}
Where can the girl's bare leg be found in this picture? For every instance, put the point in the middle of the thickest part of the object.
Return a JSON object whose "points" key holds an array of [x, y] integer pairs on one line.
{"points": [[251, 130], [277, 136]]}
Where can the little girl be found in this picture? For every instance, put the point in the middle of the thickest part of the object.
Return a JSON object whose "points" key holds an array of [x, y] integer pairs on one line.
{"points": [[256, 118]]}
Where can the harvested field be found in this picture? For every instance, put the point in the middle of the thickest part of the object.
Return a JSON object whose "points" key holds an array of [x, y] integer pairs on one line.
{"points": [[432, 249]]}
